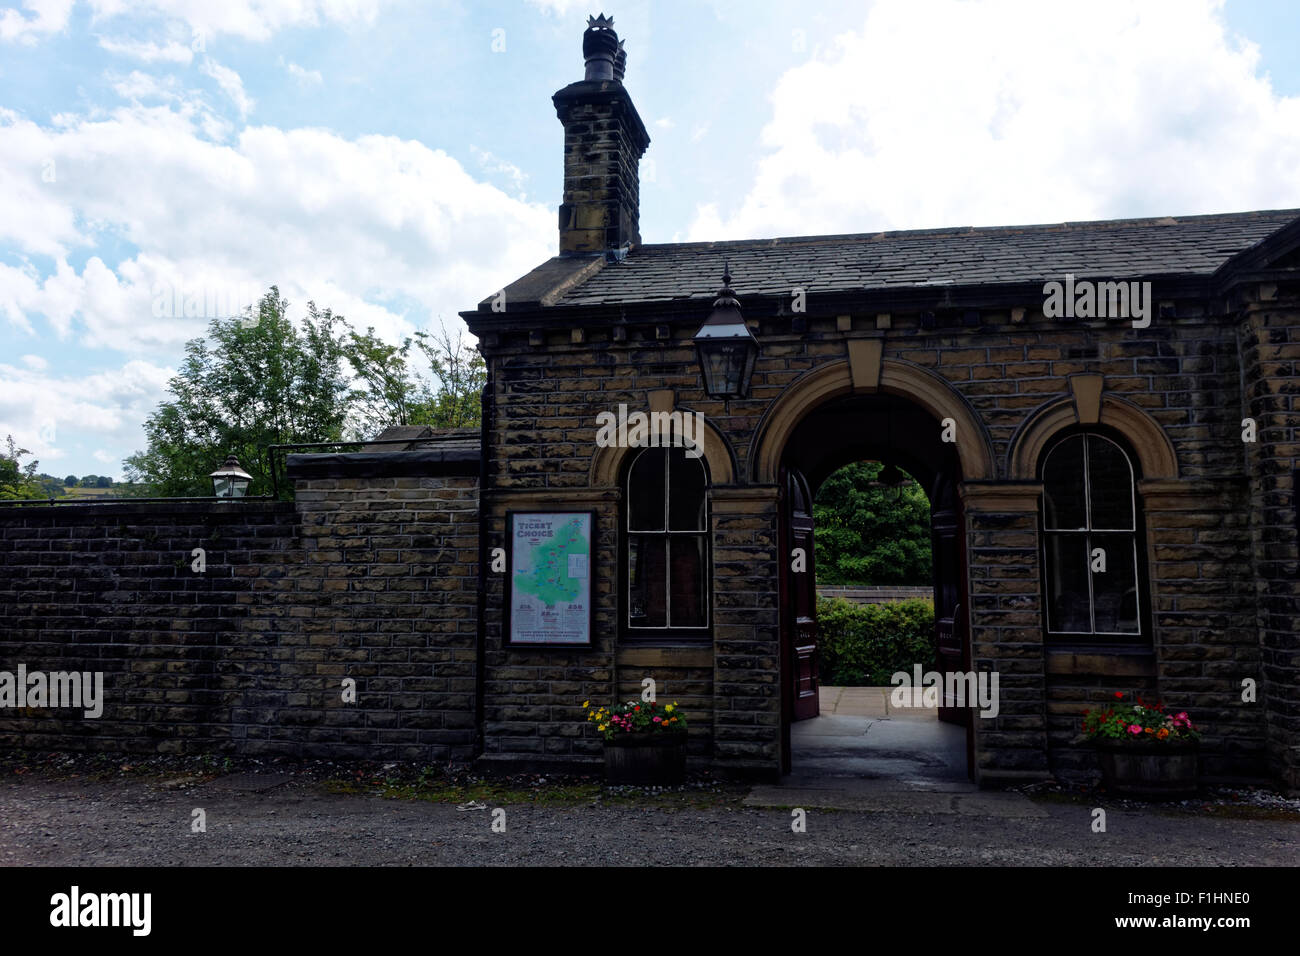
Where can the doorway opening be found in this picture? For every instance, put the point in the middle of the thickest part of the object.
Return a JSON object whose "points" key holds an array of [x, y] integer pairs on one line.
{"points": [[876, 472]]}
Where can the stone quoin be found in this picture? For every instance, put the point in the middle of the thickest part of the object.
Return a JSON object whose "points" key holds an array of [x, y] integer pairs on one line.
{"points": [[1068, 432]]}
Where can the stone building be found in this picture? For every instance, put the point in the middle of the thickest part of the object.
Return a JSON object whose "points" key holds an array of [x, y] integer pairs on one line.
{"points": [[1069, 429], [1144, 407]]}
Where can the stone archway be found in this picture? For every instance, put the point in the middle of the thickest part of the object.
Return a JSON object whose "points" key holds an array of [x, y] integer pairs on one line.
{"points": [[830, 422], [718, 457], [866, 374], [1154, 450]]}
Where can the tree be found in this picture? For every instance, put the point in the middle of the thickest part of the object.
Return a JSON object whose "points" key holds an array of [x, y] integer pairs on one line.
{"points": [[70, 481], [390, 384], [89, 481], [460, 372], [255, 380], [443, 394], [868, 534], [103, 481], [17, 481]]}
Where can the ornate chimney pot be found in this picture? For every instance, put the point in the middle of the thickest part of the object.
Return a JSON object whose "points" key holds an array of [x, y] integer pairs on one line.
{"points": [[600, 47], [620, 62]]}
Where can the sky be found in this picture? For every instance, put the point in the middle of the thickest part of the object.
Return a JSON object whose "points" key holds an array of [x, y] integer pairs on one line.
{"points": [[399, 160]]}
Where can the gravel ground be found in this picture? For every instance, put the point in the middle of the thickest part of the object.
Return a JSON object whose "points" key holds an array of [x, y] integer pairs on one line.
{"points": [[279, 818]]}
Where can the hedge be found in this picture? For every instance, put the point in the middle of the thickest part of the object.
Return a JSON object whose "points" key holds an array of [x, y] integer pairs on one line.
{"points": [[862, 645]]}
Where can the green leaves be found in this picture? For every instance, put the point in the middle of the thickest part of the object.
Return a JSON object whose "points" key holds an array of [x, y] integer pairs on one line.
{"points": [[868, 534], [18, 481], [263, 379]]}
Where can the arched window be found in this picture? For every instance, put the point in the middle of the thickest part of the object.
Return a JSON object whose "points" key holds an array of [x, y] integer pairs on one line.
{"points": [[667, 545], [1093, 585]]}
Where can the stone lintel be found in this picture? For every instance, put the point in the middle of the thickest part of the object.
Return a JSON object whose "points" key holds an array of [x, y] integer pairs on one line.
{"points": [[701, 657], [1101, 663], [1001, 497], [742, 499], [1172, 494]]}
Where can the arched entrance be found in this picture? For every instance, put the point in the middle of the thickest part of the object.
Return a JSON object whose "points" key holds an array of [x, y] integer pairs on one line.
{"points": [[839, 425]]}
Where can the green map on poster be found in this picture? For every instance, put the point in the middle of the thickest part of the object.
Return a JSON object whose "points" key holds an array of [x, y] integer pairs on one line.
{"points": [[550, 598]]}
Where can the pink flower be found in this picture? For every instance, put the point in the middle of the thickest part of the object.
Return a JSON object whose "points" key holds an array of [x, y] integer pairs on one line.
{"points": [[1134, 729], [657, 719]]}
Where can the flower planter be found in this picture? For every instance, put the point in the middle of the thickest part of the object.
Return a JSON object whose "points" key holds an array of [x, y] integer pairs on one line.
{"points": [[646, 759], [1149, 769]]}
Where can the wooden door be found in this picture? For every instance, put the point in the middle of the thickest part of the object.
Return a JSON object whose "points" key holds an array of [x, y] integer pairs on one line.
{"points": [[799, 612], [951, 655]]}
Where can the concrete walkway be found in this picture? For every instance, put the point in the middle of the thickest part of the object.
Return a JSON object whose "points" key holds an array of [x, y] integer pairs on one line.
{"points": [[865, 754]]}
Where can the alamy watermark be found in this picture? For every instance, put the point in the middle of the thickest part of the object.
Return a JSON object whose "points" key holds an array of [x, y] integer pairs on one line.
{"points": [[960, 689], [651, 430], [75, 909], [76, 689], [1085, 299], [176, 300]]}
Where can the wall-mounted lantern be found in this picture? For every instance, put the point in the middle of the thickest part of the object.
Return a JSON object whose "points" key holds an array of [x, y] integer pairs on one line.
{"points": [[230, 481], [726, 347]]}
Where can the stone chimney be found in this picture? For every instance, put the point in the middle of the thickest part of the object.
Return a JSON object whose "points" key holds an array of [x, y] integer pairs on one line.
{"points": [[604, 140]]}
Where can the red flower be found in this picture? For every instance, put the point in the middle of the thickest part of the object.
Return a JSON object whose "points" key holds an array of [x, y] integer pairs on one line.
{"points": [[1119, 693]]}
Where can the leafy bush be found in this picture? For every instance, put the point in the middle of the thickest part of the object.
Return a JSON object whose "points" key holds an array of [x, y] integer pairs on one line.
{"points": [[862, 645]]}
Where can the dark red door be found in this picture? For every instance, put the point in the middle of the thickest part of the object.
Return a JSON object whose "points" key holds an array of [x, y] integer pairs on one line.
{"points": [[800, 597], [949, 614]]}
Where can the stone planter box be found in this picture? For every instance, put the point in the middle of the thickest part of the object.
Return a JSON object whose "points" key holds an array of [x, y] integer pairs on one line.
{"points": [[646, 759], [1149, 770]]}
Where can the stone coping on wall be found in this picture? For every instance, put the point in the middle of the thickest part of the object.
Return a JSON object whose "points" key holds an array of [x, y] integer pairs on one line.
{"points": [[153, 506], [393, 464]]}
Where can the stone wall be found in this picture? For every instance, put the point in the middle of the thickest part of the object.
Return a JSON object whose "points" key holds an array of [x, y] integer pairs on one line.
{"points": [[372, 578], [1271, 354]]}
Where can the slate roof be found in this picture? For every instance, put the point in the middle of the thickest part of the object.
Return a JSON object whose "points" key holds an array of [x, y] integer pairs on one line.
{"points": [[1124, 248]]}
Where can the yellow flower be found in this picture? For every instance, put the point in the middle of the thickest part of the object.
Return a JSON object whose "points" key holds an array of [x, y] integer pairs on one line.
{"points": [[586, 704], [600, 726], [669, 708]]}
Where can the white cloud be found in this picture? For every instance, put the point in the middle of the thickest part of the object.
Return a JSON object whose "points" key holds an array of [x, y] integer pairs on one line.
{"points": [[700, 131], [950, 113], [47, 413], [494, 164], [48, 16], [557, 7], [249, 19], [386, 231], [665, 122], [230, 84], [35, 362], [304, 76], [139, 86], [149, 52]]}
